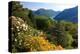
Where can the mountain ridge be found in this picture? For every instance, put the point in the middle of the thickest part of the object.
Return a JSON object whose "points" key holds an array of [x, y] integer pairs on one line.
{"points": [[68, 15], [46, 12]]}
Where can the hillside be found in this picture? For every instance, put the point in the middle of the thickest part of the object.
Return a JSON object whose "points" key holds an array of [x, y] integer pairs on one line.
{"points": [[29, 32], [26, 38], [46, 12], [68, 15]]}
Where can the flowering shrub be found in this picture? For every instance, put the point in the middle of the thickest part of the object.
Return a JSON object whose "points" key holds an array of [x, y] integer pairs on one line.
{"points": [[25, 38], [37, 43]]}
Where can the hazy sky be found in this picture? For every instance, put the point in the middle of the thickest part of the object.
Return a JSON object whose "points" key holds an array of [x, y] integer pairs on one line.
{"points": [[57, 5]]}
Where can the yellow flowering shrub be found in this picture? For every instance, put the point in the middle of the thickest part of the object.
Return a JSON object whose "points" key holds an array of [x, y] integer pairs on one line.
{"points": [[37, 43]]}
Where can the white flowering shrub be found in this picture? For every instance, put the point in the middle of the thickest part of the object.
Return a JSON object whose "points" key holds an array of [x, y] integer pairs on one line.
{"points": [[19, 30]]}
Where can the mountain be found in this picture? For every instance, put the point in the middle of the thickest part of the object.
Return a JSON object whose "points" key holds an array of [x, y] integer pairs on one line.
{"points": [[68, 15], [46, 12]]}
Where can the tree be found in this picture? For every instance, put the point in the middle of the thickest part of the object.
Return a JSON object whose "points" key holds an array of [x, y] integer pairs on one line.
{"points": [[60, 36], [32, 18], [14, 6], [41, 22]]}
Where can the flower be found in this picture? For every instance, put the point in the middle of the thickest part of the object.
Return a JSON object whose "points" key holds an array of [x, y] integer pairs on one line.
{"points": [[18, 33], [23, 25], [15, 39], [18, 22], [17, 27], [12, 28], [26, 27]]}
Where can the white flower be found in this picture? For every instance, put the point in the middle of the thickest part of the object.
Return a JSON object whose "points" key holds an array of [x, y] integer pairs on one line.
{"points": [[17, 27], [13, 17], [12, 28], [26, 27], [20, 42], [29, 35], [23, 25], [18, 22], [38, 32], [15, 39], [41, 33], [18, 33]]}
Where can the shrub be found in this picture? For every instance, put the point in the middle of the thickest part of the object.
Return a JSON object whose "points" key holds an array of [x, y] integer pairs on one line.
{"points": [[37, 43], [26, 38]]}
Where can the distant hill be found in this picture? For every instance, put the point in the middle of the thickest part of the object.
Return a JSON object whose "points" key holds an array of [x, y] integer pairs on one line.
{"points": [[46, 12], [68, 15]]}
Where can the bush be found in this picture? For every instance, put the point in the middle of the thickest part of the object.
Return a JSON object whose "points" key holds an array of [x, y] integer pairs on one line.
{"points": [[26, 38], [37, 43]]}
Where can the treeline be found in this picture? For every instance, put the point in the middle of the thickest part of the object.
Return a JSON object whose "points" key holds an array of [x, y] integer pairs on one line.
{"points": [[55, 34]]}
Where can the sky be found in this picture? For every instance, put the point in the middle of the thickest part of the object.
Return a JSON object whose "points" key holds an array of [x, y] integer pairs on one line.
{"points": [[57, 5]]}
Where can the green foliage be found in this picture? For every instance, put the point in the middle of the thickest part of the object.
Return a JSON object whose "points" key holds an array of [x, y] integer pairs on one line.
{"points": [[25, 38], [60, 34], [24, 13], [31, 17], [65, 40], [43, 22], [40, 33], [17, 9]]}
